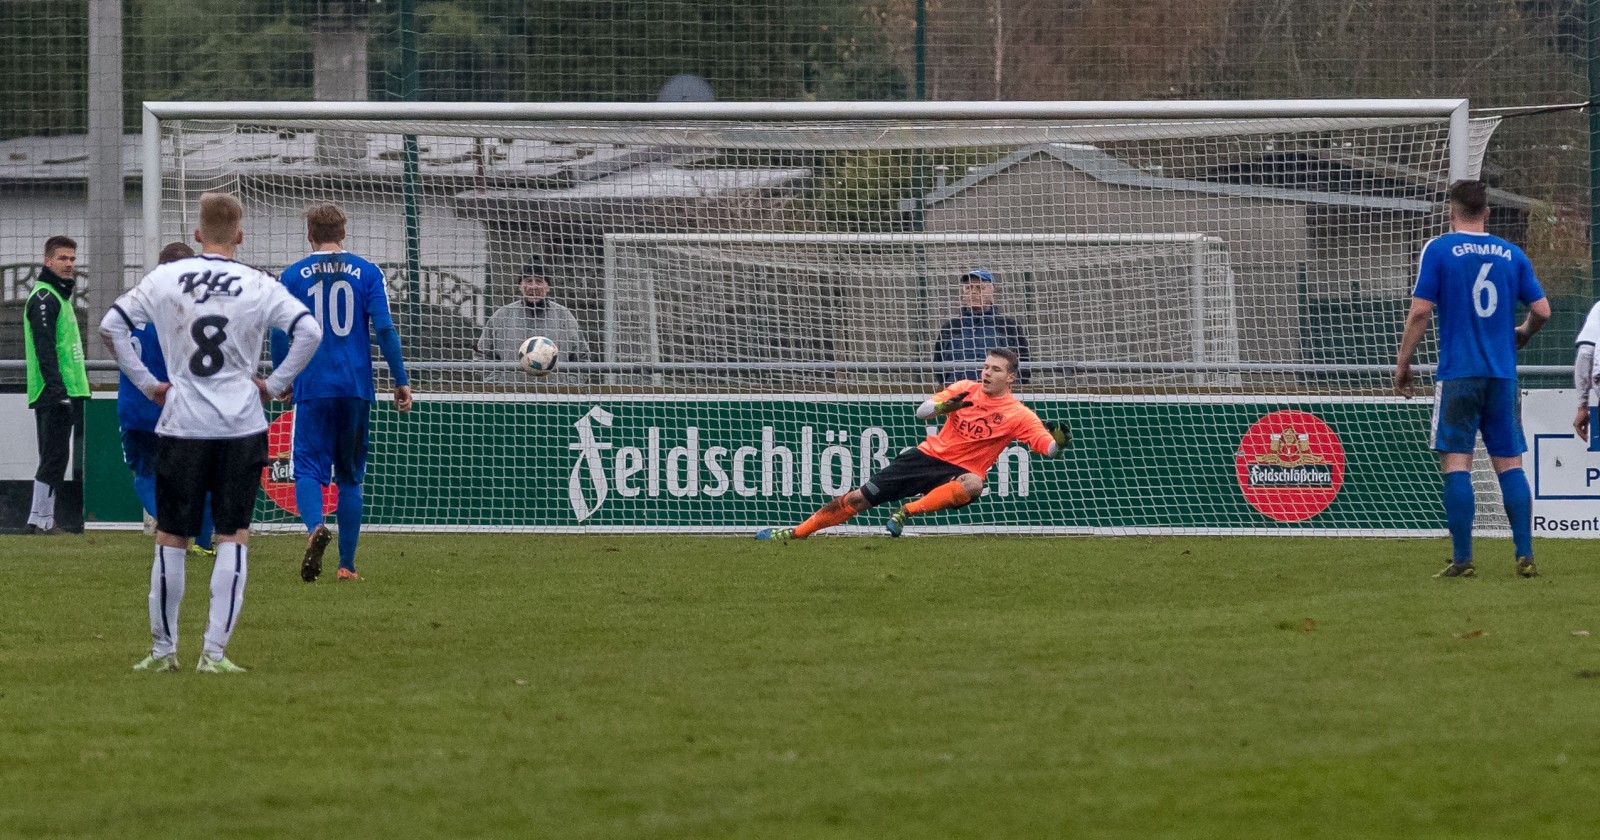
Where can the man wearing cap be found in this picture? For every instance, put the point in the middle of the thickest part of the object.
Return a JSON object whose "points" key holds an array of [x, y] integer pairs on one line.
{"points": [[979, 328], [533, 314]]}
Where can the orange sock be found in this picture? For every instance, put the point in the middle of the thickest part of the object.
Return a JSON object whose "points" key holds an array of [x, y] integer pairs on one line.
{"points": [[944, 497], [831, 514]]}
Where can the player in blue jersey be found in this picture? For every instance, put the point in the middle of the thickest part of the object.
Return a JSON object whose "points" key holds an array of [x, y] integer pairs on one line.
{"points": [[1476, 280], [333, 395], [137, 415]]}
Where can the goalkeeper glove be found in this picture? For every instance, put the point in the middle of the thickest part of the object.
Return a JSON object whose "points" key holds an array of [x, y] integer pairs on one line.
{"points": [[954, 404], [1059, 433]]}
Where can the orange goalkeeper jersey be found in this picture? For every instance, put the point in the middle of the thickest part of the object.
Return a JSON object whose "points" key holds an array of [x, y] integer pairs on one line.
{"points": [[974, 437]]}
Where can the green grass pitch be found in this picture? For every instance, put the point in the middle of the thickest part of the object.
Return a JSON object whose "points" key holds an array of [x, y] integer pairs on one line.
{"points": [[687, 687]]}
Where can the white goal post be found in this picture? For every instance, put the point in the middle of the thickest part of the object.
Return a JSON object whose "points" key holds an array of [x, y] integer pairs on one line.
{"points": [[750, 298]]}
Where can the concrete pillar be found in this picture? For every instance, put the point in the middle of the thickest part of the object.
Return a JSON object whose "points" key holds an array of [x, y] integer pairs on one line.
{"points": [[101, 252], [339, 74]]}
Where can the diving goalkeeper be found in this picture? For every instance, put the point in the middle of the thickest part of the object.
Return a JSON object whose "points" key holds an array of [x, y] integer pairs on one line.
{"points": [[981, 419]]}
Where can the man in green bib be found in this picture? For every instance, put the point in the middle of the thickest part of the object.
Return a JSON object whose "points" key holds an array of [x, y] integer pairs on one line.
{"points": [[57, 380]]}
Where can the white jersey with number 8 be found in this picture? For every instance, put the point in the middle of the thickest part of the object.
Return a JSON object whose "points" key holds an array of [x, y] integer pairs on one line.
{"points": [[211, 315]]}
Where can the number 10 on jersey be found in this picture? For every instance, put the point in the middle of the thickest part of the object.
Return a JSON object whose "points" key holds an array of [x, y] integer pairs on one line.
{"points": [[338, 312]]}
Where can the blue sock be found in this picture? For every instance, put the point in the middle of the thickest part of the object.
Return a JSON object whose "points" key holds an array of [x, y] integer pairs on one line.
{"points": [[308, 497], [349, 524], [1459, 505], [1519, 509], [208, 528], [144, 486]]}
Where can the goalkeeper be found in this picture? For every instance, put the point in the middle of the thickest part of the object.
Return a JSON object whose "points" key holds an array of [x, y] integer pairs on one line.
{"points": [[981, 419]]}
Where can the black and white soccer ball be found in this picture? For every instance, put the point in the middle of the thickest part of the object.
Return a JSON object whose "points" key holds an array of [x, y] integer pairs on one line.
{"points": [[538, 355]]}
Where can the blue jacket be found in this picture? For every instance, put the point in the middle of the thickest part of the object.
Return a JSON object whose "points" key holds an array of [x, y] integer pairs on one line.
{"points": [[970, 336]]}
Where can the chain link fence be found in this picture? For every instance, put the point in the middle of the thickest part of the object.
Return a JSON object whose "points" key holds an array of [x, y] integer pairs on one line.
{"points": [[1502, 54]]}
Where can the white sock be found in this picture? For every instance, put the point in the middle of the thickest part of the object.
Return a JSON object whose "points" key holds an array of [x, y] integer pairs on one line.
{"points": [[227, 596], [43, 513], [166, 594]]}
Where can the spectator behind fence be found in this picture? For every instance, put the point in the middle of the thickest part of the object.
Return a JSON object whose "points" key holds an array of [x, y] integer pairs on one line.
{"points": [[979, 328], [534, 313]]}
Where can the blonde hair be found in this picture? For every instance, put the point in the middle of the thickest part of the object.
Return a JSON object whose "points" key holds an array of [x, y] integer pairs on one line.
{"points": [[220, 215], [325, 223]]}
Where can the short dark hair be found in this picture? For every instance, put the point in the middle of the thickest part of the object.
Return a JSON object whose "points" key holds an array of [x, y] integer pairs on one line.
{"points": [[1470, 198], [1009, 355], [534, 268], [56, 243], [172, 252]]}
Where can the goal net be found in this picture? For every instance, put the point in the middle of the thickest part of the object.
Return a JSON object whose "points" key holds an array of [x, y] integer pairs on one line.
{"points": [[1173, 294], [750, 300]]}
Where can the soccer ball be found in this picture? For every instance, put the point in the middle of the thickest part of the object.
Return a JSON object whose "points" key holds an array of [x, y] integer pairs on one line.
{"points": [[538, 355]]}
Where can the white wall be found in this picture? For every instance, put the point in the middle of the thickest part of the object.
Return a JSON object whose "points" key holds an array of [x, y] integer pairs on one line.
{"points": [[19, 458], [274, 230]]}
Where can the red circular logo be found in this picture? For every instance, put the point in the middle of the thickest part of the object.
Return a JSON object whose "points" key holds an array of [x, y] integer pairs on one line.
{"points": [[277, 477], [1290, 465]]}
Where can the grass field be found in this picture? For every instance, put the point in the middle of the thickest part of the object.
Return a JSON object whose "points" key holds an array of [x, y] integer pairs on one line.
{"points": [[658, 687]]}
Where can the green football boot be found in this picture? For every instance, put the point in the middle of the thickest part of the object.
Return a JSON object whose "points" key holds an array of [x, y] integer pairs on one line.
{"points": [[160, 665], [897, 522], [218, 666]]}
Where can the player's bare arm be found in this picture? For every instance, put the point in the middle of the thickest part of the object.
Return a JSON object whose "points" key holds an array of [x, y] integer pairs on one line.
{"points": [[402, 398], [1416, 324], [1538, 314]]}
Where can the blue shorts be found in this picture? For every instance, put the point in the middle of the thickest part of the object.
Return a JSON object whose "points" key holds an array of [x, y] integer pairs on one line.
{"points": [[139, 450], [330, 439], [1464, 407]]}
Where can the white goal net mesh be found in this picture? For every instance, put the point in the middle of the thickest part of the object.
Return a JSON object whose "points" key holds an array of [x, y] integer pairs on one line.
{"points": [[749, 312]]}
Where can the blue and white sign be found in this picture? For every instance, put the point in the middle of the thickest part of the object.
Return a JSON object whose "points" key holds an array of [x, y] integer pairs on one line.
{"points": [[1564, 473]]}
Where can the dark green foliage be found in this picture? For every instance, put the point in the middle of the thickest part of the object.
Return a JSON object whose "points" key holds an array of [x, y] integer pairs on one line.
{"points": [[43, 84], [468, 50]]}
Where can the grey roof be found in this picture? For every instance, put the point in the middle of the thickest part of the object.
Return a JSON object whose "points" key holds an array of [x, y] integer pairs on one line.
{"points": [[1106, 169], [517, 164], [671, 196], [58, 159], [661, 180]]}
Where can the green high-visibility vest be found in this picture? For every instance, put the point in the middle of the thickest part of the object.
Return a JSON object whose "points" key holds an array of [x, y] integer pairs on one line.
{"points": [[69, 349]]}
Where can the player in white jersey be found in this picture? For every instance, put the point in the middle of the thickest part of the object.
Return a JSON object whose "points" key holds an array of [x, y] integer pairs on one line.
{"points": [[211, 314]]}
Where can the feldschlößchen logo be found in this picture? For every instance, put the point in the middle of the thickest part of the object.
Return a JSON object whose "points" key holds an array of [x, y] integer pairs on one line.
{"points": [[277, 477], [1290, 465]]}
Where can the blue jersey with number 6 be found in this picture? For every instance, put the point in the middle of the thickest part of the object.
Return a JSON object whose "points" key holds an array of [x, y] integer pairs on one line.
{"points": [[1475, 282], [344, 292]]}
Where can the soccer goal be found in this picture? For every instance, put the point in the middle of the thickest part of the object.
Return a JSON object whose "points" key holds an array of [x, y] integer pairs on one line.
{"points": [[660, 288], [751, 298]]}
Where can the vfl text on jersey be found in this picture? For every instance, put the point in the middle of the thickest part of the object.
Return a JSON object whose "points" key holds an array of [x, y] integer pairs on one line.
{"points": [[203, 285]]}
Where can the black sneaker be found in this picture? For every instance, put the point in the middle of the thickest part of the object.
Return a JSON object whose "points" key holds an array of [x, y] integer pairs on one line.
{"points": [[1464, 570], [311, 565], [1525, 567]]}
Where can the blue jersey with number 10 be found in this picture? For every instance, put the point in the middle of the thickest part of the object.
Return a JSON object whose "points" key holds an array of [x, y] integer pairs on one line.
{"points": [[1475, 281], [344, 292]]}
